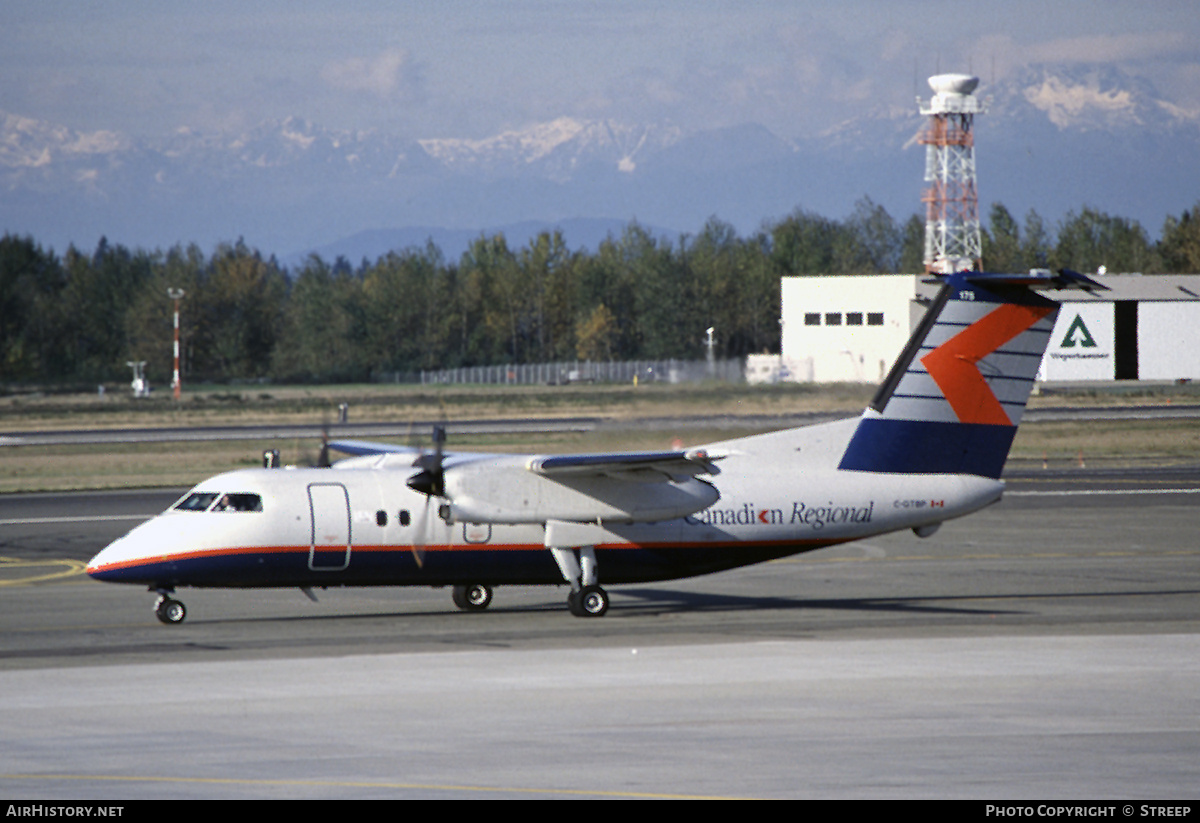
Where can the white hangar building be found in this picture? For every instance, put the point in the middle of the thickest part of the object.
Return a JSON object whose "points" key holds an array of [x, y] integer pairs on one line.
{"points": [[851, 328]]}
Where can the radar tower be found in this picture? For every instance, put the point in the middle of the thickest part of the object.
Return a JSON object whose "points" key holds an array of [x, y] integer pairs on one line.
{"points": [[952, 234]]}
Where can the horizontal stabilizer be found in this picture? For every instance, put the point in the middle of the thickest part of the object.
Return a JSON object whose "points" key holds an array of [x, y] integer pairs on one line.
{"points": [[1034, 279]]}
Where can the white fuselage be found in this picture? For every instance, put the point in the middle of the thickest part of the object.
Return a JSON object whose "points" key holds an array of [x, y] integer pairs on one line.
{"points": [[775, 495]]}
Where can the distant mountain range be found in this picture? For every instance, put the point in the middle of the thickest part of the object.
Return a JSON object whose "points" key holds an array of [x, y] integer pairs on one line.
{"points": [[1053, 139]]}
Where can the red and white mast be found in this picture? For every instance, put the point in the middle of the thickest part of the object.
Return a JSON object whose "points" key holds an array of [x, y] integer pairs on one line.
{"points": [[176, 383], [952, 234]]}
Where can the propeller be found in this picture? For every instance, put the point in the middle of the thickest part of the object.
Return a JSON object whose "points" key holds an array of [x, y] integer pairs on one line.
{"points": [[323, 455], [321, 459], [431, 482], [431, 479]]}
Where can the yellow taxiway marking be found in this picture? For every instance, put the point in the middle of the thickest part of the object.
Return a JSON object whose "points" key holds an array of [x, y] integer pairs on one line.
{"points": [[23, 567], [366, 784]]}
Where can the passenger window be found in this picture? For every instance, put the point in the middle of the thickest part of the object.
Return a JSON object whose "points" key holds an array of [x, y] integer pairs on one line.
{"points": [[404, 518], [381, 518]]}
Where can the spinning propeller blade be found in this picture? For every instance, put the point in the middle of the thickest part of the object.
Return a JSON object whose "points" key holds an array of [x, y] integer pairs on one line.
{"points": [[431, 479], [431, 482], [321, 459]]}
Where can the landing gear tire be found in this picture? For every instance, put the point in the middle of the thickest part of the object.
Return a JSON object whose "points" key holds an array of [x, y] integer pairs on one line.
{"points": [[473, 598], [170, 611], [590, 601]]}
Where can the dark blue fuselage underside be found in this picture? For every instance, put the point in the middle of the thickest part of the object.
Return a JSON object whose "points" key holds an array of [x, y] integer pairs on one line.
{"points": [[369, 566]]}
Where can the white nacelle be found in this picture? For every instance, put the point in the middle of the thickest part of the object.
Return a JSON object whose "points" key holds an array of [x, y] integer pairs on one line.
{"points": [[506, 491]]}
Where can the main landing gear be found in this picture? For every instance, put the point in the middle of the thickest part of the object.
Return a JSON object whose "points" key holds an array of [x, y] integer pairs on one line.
{"points": [[167, 609], [590, 601], [474, 597], [578, 567]]}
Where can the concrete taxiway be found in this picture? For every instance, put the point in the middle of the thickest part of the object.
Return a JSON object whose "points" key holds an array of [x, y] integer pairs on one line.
{"points": [[1047, 647]]}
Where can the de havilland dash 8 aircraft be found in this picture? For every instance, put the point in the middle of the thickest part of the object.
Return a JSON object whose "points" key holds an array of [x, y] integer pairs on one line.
{"points": [[929, 448]]}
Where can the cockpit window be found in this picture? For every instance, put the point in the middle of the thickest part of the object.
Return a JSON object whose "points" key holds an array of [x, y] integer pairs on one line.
{"points": [[196, 502], [239, 503], [234, 502]]}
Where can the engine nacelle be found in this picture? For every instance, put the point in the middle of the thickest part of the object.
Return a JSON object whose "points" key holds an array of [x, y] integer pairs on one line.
{"points": [[494, 492]]}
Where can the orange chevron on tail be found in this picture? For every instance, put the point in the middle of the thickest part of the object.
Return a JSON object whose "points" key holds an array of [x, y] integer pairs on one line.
{"points": [[954, 364]]}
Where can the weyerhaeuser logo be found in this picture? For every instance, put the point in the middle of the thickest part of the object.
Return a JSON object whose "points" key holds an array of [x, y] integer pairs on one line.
{"points": [[1078, 334], [1077, 338]]}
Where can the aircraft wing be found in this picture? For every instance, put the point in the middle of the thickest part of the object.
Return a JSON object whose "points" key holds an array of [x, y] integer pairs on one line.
{"points": [[369, 454], [499, 488], [361, 448], [642, 466], [622, 487]]}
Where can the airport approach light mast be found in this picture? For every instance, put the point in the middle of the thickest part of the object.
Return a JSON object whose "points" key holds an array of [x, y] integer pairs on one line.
{"points": [[176, 382]]}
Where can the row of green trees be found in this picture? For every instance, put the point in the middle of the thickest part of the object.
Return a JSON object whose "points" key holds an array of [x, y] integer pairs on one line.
{"points": [[81, 317]]}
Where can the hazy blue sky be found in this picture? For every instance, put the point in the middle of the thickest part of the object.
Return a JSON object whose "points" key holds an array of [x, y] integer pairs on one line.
{"points": [[470, 68]]}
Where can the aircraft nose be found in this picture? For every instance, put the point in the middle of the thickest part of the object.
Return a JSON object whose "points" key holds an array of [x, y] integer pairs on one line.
{"points": [[116, 560], [140, 555], [98, 566]]}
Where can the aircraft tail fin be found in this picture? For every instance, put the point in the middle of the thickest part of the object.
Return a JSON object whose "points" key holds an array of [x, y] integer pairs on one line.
{"points": [[952, 401]]}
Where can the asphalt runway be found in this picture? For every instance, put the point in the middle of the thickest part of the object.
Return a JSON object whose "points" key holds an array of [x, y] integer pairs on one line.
{"points": [[1047, 648]]}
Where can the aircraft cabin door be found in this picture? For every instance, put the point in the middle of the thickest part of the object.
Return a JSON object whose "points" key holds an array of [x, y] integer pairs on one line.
{"points": [[329, 504]]}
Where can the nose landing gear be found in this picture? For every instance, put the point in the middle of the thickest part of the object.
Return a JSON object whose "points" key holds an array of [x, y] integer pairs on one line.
{"points": [[167, 609]]}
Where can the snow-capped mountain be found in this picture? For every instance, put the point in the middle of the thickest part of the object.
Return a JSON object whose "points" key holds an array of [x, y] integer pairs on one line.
{"points": [[557, 150], [1088, 99], [33, 152], [1060, 139], [1053, 139]]}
